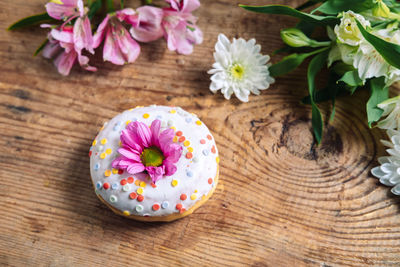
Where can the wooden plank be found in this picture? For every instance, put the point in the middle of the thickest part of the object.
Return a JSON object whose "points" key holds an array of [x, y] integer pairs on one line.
{"points": [[281, 201]]}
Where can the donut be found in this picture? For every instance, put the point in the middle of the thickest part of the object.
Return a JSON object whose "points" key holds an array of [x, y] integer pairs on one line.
{"points": [[154, 163]]}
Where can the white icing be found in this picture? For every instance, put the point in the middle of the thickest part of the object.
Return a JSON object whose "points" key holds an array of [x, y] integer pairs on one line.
{"points": [[192, 174]]}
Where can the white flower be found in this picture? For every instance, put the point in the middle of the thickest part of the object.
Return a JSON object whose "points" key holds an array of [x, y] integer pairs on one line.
{"points": [[369, 62], [389, 170], [391, 109], [239, 68], [347, 31]]}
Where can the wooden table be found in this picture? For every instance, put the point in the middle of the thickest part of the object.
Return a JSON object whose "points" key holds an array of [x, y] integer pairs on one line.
{"points": [[281, 200]]}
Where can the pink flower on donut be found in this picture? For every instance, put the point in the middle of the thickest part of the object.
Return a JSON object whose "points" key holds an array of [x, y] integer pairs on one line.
{"points": [[145, 149]]}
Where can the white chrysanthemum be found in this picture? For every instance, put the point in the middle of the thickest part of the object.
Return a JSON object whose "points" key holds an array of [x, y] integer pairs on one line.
{"points": [[239, 68], [391, 109], [389, 170], [347, 31]]}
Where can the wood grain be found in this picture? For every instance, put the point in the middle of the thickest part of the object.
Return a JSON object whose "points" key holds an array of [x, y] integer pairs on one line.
{"points": [[281, 200]]}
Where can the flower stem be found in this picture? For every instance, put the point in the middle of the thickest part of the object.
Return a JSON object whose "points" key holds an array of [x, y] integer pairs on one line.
{"points": [[319, 44], [147, 2], [110, 6]]}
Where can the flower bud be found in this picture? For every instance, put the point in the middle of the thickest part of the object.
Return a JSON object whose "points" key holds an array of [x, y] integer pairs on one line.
{"points": [[295, 38], [381, 9]]}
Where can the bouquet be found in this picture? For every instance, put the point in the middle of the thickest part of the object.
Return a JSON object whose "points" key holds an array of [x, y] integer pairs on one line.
{"points": [[71, 22], [360, 48]]}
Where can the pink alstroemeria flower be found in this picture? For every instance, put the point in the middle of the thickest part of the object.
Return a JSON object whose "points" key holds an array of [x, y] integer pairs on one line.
{"points": [[145, 149], [68, 10], [61, 46], [179, 25], [119, 46], [147, 27]]}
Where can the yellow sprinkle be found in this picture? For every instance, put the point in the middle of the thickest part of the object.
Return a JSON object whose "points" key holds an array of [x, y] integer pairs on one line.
{"points": [[94, 142], [203, 197], [217, 159], [108, 151], [102, 155], [198, 122], [107, 173], [138, 106], [103, 141], [127, 122], [114, 171], [120, 143], [173, 128], [142, 184], [190, 149], [146, 115], [139, 190], [195, 191], [174, 183], [173, 111], [175, 139], [137, 182], [130, 109], [126, 213], [193, 197], [186, 143]]}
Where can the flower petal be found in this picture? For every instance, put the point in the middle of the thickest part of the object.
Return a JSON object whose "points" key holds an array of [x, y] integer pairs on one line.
{"points": [[142, 131], [155, 132], [148, 27], [135, 168], [83, 38], [156, 173], [99, 35], [65, 61]]}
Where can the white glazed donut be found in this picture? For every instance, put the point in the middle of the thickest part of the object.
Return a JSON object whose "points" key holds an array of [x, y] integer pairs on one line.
{"points": [[171, 197]]}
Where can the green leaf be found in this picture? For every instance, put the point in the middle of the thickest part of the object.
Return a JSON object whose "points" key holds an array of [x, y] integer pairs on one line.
{"points": [[285, 10], [333, 7], [110, 6], [379, 93], [122, 4], [94, 7], [351, 78], [308, 4], [389, 51], [29, 21], [291, 62], [40, 48], [316, 64]]}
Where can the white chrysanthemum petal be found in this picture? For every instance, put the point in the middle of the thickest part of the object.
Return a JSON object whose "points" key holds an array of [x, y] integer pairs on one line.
{"points": [[388, 172], [239, 69]]}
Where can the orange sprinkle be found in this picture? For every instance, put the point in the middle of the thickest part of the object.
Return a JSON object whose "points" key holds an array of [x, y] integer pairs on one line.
{"points": [[179, 133], [202, 141], [140, 198], [213, 150], [153, 185], [183, 197], [181, 139], [209, 137], [210, 180], [189, 155], [120, 171], [133, 195], [178, 206], [90, 153], [130, 180], [123, 182], [182, 210], [137, 182], [156, 207]]}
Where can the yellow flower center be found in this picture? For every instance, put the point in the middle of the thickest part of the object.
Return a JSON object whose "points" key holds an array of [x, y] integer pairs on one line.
{"points": [[237, 71], [152, 156]]}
